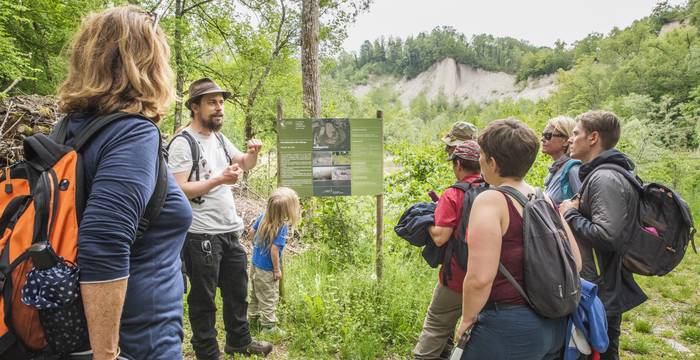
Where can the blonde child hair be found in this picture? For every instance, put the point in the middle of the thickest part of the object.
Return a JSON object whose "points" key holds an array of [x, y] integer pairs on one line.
{"points": [[282, 208]]}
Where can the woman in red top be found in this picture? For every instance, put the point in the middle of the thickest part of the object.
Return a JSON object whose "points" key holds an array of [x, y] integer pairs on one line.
{"points": [[506, 328]]}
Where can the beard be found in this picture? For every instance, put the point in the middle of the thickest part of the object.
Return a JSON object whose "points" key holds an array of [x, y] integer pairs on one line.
{"points": [[213, 122]]}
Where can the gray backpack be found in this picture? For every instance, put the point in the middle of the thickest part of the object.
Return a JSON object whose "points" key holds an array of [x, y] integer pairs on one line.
{"points": [[552, 284]]}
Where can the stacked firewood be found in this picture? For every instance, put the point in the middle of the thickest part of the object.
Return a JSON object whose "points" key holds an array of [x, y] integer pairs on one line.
{"points": [[23, 116]]}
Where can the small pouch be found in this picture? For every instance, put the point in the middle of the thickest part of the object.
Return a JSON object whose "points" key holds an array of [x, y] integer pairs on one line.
{"points": [[53, 289]]}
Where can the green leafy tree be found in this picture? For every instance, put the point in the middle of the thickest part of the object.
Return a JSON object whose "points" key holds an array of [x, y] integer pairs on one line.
{"points": [[33, 36]]}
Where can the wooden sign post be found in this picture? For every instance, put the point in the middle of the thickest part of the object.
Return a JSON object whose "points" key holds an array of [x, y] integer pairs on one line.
{"points": [[280, 116], [380, 224]]}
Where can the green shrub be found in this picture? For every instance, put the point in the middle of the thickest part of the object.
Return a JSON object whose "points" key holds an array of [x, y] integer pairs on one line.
{"points": [[642, 326], [691, 334]]}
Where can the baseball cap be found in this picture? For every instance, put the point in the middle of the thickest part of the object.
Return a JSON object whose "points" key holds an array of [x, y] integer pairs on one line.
{"points": [[467, 150]]}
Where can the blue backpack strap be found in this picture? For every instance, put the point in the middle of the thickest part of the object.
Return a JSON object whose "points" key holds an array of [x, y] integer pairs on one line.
{"points": [[564, 178]]}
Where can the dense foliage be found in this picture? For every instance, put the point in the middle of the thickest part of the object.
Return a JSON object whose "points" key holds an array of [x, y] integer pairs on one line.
{"points": [[334, 306]]}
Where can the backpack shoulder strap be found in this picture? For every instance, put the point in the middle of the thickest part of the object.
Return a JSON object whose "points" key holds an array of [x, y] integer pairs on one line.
{"points": [[220, 137], [520, 197], [194, 149], [634, 180], [458, 246], [467, 203], [569, 164], [506, 274], [97, 123], [564, 178], [157, 200], [60, 131], [460, 232], [461, 186]]}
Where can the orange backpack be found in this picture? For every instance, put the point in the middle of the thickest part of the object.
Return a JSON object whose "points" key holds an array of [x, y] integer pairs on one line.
{"points": [[41, 202]]}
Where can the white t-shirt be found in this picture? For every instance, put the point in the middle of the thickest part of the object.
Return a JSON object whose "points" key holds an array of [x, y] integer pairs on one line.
{"points": [[217, 214]]}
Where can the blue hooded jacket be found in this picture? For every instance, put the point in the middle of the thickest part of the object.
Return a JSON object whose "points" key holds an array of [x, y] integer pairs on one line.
{"points": [[590, 319]]}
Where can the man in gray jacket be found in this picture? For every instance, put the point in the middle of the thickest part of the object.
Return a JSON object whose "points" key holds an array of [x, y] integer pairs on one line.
{"points": [[604, 217]]}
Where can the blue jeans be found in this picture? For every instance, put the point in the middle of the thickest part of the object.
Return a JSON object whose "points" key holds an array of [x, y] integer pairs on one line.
{"points": [[515, 332]]}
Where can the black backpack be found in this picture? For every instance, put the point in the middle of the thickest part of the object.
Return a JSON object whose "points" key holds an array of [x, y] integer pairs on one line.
{"points": [[665, 227], [194, 149], [97, 123], [456, 246], [552, 283]]}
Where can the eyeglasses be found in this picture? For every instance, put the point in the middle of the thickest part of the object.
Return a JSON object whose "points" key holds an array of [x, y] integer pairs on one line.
{"points": [[548, 135]]}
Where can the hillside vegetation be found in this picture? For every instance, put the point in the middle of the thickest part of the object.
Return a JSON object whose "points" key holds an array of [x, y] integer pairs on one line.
{"points": [[415, 54]]}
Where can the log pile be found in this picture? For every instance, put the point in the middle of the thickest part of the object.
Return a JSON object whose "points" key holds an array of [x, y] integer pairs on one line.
{"points": [[23, 116]]}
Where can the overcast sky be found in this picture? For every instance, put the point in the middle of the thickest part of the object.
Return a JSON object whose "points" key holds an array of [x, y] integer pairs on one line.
{"points": [[541, 22]]}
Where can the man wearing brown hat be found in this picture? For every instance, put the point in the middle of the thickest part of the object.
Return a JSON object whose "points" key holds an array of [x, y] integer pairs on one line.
{"points": [[460, 132], [435, 341], [204, 163]]}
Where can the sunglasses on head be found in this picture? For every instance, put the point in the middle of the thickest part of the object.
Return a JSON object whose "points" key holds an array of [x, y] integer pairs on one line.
{"points": [[548, 135], [155, 18]]}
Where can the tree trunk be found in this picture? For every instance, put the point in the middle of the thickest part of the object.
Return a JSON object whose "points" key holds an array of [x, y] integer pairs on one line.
{"points": [[309, 58], [179, 70], [248, 124]]}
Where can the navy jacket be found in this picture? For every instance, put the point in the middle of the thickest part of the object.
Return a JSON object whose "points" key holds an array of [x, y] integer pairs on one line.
{"points": [[413, 227]]}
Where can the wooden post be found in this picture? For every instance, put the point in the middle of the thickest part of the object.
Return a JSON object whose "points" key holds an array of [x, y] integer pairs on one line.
{"points": [[280, 116], [380, 221]]}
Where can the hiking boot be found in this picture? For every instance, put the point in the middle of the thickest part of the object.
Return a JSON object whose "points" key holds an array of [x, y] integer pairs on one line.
{"points": [[254, 348]]}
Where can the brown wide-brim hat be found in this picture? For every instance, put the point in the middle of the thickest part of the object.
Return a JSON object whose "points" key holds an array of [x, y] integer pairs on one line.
{"points": [[204, 86]]}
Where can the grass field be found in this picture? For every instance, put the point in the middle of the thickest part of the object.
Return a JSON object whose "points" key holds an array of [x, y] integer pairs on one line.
{"points": [[337, 310]]}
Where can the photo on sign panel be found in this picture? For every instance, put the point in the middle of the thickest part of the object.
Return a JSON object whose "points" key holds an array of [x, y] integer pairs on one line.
{"points": [[322, 173], [341, 173], [322, 158], [341, 158], [331, 134]]}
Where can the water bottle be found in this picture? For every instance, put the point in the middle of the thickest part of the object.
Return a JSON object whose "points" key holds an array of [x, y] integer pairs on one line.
{"points": [[43, 255], [433, 196]]}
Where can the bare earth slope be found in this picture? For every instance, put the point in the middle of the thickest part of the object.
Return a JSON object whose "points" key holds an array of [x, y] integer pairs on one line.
{"points": [[465, 83]]}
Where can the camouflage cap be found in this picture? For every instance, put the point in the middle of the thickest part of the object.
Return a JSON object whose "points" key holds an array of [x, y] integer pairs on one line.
{"points": [[467, 150], [460, 132]]}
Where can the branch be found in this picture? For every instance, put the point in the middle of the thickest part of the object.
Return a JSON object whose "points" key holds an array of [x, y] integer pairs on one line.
{"points": [[185, 10], [10, 87], [156, 6], [279, 44], [206, 18]]}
